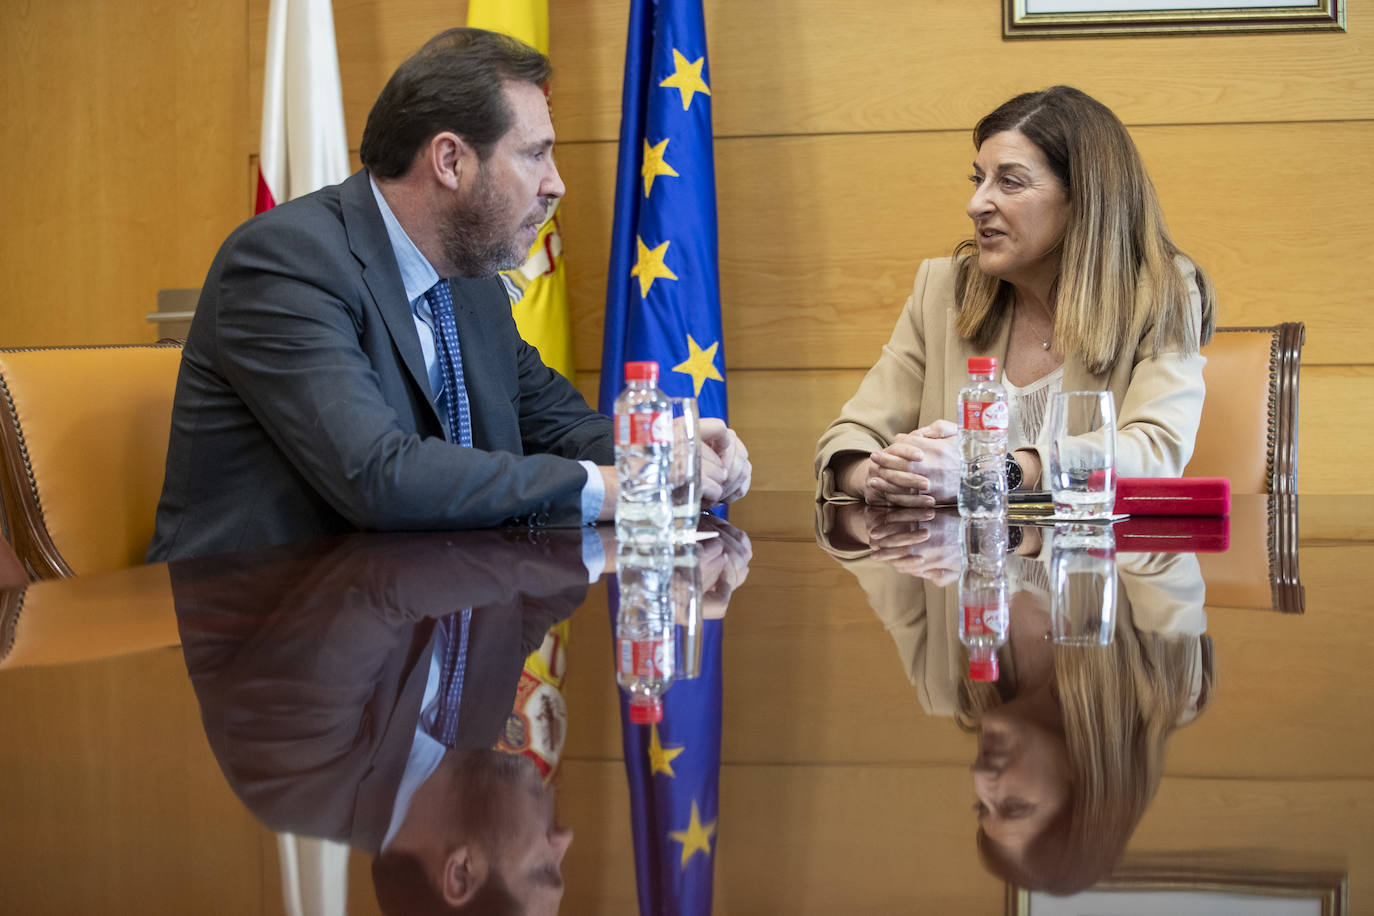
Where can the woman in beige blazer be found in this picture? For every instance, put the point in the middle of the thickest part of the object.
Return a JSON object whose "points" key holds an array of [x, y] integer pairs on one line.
{"points": [[1071, 280]]}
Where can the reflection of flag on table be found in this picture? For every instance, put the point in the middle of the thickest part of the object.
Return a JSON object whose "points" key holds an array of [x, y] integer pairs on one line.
{"points": [[539, 287], [673, 770], [663, 304], [663, 289]]}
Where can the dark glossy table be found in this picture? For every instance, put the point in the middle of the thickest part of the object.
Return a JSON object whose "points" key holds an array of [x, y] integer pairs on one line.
{"points": [[838, 791]]}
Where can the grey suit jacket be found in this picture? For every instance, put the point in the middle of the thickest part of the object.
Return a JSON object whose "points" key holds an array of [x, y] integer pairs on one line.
{"points": [[303, 408]]}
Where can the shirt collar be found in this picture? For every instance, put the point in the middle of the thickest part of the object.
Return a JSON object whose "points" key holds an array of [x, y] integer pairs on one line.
{"points": [[417, 274]]}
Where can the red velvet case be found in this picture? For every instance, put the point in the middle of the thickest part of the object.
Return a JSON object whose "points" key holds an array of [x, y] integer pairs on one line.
{"points": [[1173, 496]]}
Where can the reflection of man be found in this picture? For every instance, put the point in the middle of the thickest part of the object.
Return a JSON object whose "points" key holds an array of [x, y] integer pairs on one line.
{"points": [[353, 362], [324, 677], [479, 837]]}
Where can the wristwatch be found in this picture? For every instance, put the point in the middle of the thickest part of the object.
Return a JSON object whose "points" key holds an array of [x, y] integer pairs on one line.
{"points": [[1014, 474]]}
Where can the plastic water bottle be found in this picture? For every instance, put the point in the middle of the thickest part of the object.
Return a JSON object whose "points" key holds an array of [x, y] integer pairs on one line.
{"points": [[983, 418], [983, 616], [645, 646], [643, 457]]}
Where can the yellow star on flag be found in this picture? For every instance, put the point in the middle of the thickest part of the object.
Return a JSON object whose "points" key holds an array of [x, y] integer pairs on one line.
{"points": [[649, 266], [686, 78], [655, 165], [661, 758], [700, 364], [696, 838]]}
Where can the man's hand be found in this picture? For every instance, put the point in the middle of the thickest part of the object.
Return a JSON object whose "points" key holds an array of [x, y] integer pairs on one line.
{"points": [[725, 468], [612, 485], [724, 565]]}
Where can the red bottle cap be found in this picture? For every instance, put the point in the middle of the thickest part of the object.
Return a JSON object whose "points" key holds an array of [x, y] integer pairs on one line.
{"points": [[982, 665], [982, 364], [645, 371], [646, 711]]}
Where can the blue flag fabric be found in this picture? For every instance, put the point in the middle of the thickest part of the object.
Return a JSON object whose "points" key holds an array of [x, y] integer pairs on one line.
{"points": [[663, 304], [663, 286]]}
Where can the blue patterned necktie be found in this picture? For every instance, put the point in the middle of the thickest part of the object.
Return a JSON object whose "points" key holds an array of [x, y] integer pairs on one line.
{"points": [[450, 358], [455, 626], [454, 632]]}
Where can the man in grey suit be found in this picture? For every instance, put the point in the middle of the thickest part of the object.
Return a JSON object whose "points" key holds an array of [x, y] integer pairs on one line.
{"points": [[353, 362]]}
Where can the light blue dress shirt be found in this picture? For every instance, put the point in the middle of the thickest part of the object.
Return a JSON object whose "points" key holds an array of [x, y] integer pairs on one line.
{"points": [[418, 275]]}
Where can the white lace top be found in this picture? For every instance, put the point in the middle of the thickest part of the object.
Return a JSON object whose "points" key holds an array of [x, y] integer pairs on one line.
{"points": [[1029, 407]]}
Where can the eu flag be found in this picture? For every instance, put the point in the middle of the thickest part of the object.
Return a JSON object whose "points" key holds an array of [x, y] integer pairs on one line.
{"points": [[663, 304], [663, 288]]}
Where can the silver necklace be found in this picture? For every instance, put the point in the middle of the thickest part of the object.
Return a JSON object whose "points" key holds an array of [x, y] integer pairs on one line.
{"points": [[1044, 340]]}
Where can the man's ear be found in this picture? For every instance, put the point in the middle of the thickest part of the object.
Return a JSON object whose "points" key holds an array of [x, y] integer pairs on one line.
{"points": [[465, 871], [448, 157]]}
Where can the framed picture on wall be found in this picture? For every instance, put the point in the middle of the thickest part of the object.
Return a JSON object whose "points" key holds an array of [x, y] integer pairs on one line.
{"points": [[1186, 892], [1059, 18]]}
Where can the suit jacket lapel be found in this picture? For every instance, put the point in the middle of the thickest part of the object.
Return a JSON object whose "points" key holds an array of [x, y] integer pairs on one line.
{"points": [[370, 244]]}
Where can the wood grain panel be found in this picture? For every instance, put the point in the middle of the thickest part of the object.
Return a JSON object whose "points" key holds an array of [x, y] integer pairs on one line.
{"points": [[780, 415], [821, 236], [140, 802], [809, 66], [803, 66], [124, 123]]}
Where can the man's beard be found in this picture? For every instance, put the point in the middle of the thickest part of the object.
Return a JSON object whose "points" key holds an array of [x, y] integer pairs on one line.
{"points": [[471, 235]]}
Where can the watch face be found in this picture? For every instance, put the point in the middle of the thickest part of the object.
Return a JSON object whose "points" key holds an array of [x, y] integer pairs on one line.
{"points": [[1014, 474]]}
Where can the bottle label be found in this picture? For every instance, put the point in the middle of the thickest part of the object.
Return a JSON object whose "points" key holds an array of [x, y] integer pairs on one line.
{"points": [[644, 428], [986, 415], [642, 657], [984, 619]]}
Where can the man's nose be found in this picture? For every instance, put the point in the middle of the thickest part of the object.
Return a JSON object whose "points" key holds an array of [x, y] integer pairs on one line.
{"points": [[561, 840], [552, 185]]}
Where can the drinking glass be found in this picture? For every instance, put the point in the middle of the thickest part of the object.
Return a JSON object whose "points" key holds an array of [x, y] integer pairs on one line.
{"points": [[684, 478], [1082, 459], [1083, 585]]}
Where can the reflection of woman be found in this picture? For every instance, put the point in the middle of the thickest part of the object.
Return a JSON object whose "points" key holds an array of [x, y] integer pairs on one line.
{"points": [[1071, 280], [1071, 739]]}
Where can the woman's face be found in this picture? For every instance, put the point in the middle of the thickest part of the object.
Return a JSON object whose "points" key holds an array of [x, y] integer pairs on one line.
{"points": [[1020, 210], [1021, 777]]}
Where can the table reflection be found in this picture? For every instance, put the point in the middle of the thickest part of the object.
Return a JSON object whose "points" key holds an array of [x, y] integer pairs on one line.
{"points": [[401, 694], [1072, 720]]}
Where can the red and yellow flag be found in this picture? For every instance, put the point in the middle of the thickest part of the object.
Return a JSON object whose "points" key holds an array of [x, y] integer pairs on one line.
{"points": [[539, 287]]}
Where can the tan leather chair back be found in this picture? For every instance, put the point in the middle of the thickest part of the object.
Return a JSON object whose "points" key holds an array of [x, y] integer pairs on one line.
{"points": [[84, 436], [1249, 419]]}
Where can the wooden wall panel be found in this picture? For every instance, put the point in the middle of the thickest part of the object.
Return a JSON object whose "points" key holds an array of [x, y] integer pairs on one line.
{"points": [[784, 67], [810, 66], [123, 129], [821, 235]]}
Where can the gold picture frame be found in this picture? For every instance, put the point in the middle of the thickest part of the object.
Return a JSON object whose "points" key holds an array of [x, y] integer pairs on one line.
{"points": [[1147, 889], [1062, 18]]}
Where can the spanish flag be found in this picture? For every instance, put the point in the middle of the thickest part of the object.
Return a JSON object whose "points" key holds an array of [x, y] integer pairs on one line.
{"points": [[539, 287]]}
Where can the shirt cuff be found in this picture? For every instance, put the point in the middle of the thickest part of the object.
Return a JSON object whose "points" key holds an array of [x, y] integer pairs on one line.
{"points": [[593, 555], [593, 493]]}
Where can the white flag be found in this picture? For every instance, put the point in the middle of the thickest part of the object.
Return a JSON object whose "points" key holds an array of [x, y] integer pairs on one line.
{"points": [[303, 146]]}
